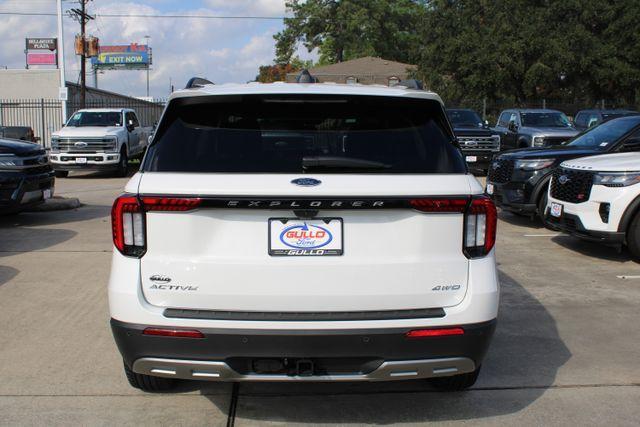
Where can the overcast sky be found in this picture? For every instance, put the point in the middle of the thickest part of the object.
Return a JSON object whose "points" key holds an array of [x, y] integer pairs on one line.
{"points": [[223, 50]]}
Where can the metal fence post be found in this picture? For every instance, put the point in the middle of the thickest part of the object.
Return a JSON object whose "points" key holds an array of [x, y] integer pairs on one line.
{"points": [[42, 126], [484, 109]]}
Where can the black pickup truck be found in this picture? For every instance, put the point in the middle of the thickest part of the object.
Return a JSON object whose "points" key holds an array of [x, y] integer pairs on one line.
{"points": [[26, 176], [479, 143]]}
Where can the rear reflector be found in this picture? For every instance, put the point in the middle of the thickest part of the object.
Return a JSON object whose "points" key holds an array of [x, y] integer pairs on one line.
{"points": [[170, 204], [426, 333], [179, 333]]}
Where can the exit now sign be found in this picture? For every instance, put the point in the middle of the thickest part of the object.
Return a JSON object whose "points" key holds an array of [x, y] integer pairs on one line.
{"points": [[41, 58]]}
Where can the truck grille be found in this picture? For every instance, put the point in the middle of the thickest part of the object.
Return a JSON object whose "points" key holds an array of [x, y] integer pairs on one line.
{"points": [[548, 141], [500, 170], [479, 143], [83, 145], [571, 185]]}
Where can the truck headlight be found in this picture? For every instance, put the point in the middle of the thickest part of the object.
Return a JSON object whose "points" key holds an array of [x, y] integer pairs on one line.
{"points": [[616, 179], [8, 161], [538, 141], [533, 164]]}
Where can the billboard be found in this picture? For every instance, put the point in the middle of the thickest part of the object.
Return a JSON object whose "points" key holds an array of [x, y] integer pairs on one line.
{"points": [[132, 56]]}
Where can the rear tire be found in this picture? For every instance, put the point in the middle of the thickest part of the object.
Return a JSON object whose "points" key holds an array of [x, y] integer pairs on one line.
{"points": [[62, 174], [456, 382], [147, 382], [123, 166], [633, 238]]}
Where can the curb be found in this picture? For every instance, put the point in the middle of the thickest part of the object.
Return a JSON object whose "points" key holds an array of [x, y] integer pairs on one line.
{"points": [[56, 204]]}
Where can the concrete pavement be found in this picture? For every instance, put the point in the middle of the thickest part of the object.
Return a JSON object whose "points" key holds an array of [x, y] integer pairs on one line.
{"points": [[565, 351]]}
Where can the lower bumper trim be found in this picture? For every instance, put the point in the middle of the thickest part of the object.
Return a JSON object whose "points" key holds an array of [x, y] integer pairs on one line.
{"points": [[220, 371]]}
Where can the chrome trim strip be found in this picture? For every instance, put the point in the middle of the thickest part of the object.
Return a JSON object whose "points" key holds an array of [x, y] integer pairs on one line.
{"points": [[220, 371]]}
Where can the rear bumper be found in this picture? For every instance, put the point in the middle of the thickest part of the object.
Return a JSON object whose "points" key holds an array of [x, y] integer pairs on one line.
{"points": [[349, 355]]}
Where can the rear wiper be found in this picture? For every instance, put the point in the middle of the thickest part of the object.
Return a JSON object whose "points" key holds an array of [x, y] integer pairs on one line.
{"points": [[341, 162]]}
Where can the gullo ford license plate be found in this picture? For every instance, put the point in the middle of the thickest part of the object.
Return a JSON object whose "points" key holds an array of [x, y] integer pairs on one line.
{"points": [[296, 237]]}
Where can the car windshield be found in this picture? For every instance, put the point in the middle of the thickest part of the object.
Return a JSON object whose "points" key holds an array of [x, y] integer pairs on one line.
{"points": [[304, 133], [603, 136], [464, 118], [554, 120], [95, 118]]}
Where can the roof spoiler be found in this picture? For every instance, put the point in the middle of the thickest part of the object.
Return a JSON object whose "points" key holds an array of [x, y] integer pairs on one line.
{"points": [[306, 77], [411, 84], [195, 82]]}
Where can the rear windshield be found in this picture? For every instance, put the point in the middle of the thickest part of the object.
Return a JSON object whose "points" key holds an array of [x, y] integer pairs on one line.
{"points": [[298, 134]]}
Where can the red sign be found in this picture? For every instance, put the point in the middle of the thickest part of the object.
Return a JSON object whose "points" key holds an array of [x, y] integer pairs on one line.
{"points": [[41, 59]]}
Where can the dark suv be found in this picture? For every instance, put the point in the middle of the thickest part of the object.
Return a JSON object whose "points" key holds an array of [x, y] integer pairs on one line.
{"points": [[586, 119], [477, 140], [518, 179]]}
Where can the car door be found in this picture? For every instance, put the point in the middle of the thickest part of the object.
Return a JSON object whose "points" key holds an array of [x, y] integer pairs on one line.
{"points": [[510, 137], [133, 126]]}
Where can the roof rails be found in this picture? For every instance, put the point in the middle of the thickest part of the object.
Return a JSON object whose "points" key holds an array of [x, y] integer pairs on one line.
{"points": [[195, 82], [306, 77], [411, 84]]}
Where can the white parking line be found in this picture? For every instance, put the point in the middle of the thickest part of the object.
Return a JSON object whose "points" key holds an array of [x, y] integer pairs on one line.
{"points": [[542, 235], [628, 277]]}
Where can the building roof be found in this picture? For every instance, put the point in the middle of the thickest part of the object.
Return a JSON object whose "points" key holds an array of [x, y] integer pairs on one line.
{"points": [[367, 65], [282, 88]]}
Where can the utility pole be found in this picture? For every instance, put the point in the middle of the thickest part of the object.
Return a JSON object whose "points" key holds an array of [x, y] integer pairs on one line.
{"points": [[82, 17]]}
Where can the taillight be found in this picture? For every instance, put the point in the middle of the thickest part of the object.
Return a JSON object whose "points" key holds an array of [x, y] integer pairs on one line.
{"points": [[128, 219], [480, 224], [480, 220]]}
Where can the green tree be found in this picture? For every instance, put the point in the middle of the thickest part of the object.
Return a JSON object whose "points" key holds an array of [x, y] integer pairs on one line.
{"points": [[347, 29], [523, 49]]}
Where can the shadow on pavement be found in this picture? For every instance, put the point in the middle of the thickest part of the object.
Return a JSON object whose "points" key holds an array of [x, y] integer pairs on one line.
{"points": [[520, 220], [35, 219], [525, 355], [7, 273], [133, 168], [592, 249]]}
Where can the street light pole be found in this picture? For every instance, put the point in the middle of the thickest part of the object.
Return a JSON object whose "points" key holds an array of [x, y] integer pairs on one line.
{"points": [[148, 64], [63, 83]]}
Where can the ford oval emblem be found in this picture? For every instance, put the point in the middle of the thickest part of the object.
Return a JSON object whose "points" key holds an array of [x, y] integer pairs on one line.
{"points": [[306, 182], [80, 144]]}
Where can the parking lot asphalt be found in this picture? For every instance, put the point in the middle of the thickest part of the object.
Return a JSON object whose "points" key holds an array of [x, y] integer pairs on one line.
{"points": [[566, 348]]}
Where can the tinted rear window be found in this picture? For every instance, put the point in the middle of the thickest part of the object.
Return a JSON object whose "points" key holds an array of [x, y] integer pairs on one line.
{"points": [[297, 134]]}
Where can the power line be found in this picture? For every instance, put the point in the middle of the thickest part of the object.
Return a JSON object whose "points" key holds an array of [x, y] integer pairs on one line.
{"points": [[135, 15]]}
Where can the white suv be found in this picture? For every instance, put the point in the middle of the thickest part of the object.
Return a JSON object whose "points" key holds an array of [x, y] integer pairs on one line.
{"points": [[598, 198], [303, 232]]}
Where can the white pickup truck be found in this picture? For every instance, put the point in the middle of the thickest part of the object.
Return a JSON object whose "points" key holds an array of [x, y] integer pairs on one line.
{"points": [[98, 139]]}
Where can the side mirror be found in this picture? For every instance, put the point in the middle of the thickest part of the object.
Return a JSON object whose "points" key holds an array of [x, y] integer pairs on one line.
{"points": [[513, 126], [130, 127]]}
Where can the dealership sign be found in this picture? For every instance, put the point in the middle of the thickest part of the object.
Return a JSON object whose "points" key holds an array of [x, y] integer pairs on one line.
{"points": [[41, 44], [41, 51], [41, 58], [132, 56]]}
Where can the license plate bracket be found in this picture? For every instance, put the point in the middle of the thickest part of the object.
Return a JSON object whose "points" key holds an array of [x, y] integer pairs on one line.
{"points": [[305, 237], [556, 210]]}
